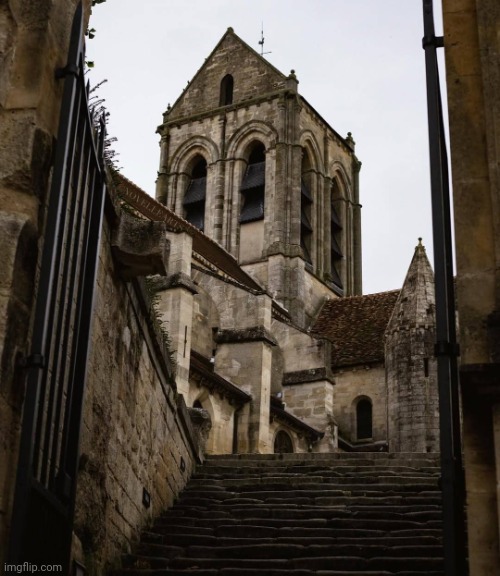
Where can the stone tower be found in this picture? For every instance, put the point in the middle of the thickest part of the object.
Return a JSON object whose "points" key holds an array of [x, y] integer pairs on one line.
{"points": [[247, 160], [411, 378]]}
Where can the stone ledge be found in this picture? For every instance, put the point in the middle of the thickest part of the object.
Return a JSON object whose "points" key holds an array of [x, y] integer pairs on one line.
{"points": [[253, 334], [178, 280], [305, 376]]}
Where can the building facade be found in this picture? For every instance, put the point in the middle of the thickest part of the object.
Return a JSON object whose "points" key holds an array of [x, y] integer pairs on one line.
{"points": [[250, 163]]}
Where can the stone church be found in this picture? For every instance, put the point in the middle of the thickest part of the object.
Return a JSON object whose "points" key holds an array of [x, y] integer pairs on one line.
{"points": [[295, 358]]}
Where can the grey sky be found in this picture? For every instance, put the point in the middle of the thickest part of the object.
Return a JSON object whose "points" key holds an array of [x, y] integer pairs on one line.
{"points": [[359, 63]]}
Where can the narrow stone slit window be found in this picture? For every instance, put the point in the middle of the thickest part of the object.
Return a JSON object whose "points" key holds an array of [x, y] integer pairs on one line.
{"points": [[226, 90]]}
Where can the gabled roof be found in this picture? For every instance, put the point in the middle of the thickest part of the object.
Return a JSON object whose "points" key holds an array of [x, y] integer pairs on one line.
{"points": [[253, 75], [355, 326]]}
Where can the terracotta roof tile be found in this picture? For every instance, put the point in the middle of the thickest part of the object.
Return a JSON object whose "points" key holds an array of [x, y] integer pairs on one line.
{"points": [[355, 326]]}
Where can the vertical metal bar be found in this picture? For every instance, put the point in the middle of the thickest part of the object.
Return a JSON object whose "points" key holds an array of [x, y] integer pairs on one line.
{"points": [[35, 363], [446, 346], [62, 316], [77, 215], [78, 375]]}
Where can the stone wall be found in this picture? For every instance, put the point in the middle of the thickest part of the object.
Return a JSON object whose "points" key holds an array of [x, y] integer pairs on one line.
{"points": [[34, 38], [136, 433], [351, 385], [472, 51]]}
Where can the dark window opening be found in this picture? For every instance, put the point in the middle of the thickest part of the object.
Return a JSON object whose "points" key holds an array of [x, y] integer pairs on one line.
{"points": [[226, 90], [283, 443], [335, 238], [426, 367], [195, 196], [253, 187], [364, 420], [197, 404], [306, 230]]}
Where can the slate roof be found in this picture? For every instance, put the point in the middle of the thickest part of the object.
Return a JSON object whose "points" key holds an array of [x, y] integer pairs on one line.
{"points": [[355, 326]]}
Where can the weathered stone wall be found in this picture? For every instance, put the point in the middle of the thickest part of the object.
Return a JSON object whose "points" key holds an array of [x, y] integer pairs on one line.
{"points": [[472, 51], [350, 386], [34, 38], [136, 430]]}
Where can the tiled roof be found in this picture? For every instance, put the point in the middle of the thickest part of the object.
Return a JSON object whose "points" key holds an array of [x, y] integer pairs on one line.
{"points": [[355, 326]]}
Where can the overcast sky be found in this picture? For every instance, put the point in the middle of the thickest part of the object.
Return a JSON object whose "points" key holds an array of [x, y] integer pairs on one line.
{"points": [[359, 63]]}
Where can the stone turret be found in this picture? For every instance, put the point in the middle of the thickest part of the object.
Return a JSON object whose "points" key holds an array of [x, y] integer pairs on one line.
{"points": [[412, 394]]}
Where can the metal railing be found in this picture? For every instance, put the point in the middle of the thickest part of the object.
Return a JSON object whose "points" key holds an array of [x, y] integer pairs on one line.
{"points": [[56, 368]]}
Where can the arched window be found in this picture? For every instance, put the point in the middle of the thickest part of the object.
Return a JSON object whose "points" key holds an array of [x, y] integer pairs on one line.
{"points": [[197, 404], [226, 90], [283, 443], [336, 236], [253, 186], [194, 199], [364, 419], [306, 203]]}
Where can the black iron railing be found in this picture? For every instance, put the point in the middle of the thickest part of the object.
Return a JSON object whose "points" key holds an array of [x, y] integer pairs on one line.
{"points": [[56, 369], [446, 338]]}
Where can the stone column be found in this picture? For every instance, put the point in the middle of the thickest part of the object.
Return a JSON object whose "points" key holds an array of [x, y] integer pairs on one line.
{"points": [[176, 306], [244, 357]]}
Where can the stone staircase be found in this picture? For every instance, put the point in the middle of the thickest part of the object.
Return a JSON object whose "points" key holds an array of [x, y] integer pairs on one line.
{"points": [[357, 514]]}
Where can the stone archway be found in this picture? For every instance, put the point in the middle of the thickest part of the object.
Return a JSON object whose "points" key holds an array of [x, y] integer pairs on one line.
{"points": [[283, 443]]}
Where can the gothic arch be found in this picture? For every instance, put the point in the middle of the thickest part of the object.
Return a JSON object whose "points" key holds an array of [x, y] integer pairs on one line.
{"points": [[309, 143], [339, 173], [254, 130], [195, 146]]}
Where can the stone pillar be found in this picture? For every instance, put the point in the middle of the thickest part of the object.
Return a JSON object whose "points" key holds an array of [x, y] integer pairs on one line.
{"points": [[244, 357], [248, 364], [176, 306]]}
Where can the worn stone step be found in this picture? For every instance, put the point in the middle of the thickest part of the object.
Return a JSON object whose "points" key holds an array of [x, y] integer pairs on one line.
{"points": [[220, 472], [310, 550], [265, 511], [383, 539], [303, 515]]}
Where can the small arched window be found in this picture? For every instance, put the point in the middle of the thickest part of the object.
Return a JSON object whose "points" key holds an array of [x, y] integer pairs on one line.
{"points": [[194, 199], [226, 90], [283, 443], [364, 419], [197, 404], [253, 186]]}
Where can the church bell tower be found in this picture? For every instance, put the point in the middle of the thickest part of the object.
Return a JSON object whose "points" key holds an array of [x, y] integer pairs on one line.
{"points": [[249, 161]]}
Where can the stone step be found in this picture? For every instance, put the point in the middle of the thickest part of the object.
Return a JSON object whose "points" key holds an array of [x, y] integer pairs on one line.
{"points": [[337, 470], [301, 515], [346, 563], [264, 511]]}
